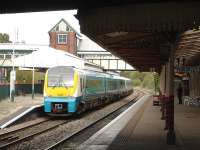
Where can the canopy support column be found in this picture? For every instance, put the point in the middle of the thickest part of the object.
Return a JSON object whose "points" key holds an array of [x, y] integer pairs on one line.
{"points": [[171, 137]]}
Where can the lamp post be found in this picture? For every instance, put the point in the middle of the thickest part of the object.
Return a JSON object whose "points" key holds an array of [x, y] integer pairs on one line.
{"points": [[33, 77], [12, 78]]}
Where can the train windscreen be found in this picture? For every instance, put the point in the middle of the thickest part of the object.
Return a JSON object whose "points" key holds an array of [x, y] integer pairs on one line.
{"points": [[60, 77]]}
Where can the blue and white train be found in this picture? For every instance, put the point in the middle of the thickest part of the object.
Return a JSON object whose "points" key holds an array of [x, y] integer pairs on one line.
{"points": [[70, 90]]}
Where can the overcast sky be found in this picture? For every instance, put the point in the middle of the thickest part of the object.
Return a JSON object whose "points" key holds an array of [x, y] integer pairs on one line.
{"points": [[33, 27]]}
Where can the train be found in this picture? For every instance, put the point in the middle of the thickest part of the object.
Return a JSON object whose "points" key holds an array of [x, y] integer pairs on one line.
{"points": [[69, 90]]}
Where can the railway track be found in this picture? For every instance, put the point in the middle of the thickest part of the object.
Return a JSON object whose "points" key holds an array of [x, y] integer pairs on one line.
{"points": [[13, 129], [79, 136], [53, 134], [26, 133]]}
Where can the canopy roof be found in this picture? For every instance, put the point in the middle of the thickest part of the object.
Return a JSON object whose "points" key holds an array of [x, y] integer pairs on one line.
{"points": [[141, 32], [48, 57]]}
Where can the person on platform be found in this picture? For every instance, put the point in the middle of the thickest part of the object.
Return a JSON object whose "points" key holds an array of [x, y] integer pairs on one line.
{"points": [[180, 93]]}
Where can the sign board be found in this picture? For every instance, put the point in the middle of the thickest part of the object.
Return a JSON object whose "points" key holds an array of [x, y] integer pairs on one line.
{"points": [[187, 69]]}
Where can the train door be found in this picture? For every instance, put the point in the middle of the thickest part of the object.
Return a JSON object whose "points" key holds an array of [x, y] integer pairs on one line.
{"points": [[105, 85], [83, 83]]}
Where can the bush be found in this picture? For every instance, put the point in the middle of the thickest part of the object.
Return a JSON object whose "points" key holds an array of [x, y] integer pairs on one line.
{"points": [[136, 82], [148, 81]]}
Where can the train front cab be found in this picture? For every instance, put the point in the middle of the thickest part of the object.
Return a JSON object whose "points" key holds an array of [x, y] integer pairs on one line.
{"points": [[60, 91]]}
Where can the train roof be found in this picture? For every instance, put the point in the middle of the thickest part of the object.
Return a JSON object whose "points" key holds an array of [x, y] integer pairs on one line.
{"points": [[96, 72]]}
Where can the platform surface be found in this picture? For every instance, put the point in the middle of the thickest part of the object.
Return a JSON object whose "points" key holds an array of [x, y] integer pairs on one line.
{"points": [[143, 129], [9, 110]]}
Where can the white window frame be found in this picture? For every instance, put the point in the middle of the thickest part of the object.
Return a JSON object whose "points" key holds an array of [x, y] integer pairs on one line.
{"points": [[59, 41]]}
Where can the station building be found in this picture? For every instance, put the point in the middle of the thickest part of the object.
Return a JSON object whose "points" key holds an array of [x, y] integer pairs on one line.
{"points": [[64, 37]]}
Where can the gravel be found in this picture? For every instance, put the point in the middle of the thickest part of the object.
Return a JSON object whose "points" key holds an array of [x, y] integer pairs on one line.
{"points": [[49, 138]]}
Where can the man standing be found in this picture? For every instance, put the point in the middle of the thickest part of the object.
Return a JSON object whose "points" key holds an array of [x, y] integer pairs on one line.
{"points": [[180, 93]]}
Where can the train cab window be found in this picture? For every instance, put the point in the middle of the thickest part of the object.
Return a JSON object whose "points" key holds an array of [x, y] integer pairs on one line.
{"points": [[60, 77]]}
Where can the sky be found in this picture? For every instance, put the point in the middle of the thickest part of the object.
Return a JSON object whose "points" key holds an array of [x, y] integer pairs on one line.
{"points": [[33, 27]]}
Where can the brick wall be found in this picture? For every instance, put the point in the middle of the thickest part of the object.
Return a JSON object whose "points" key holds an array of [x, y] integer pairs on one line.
{"points": [[70, 46]]}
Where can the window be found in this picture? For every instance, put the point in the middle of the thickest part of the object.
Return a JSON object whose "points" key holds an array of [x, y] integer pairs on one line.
{"points": [[60, 77], [62, 38], [94, 84]]}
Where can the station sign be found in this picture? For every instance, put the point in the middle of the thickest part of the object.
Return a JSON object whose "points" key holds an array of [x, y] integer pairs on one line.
{"points": [[187, 69]]}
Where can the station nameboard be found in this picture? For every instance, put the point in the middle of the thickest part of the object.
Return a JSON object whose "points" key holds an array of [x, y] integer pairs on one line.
{"points": [[187, 69]]}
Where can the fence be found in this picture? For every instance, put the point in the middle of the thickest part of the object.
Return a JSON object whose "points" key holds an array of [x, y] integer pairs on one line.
{"points": [[19, 89], [4, 91]]}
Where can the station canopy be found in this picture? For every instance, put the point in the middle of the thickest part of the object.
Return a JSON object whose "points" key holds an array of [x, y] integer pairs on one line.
{"points": [[48, 57], [141, 32]]}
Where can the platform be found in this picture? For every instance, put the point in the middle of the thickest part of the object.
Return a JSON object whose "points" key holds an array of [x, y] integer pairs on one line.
{"points": [[140, 128], [11, 111]]}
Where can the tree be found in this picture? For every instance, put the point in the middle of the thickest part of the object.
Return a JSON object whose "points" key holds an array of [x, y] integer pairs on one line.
{"points": [[143, 79], [4, 38]]}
